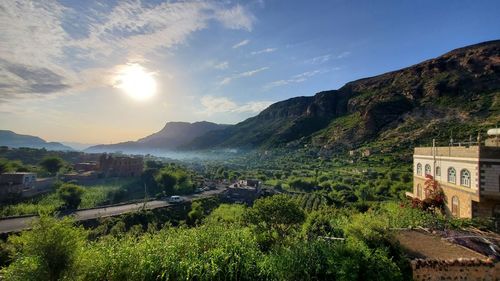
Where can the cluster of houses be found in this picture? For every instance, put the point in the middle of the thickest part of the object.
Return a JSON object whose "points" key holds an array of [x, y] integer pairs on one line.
{"points": [[27, 184]]}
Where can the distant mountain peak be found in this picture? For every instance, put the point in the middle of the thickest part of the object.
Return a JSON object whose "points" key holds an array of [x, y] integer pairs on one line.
{"points": [[12, 139], [172, 136]]}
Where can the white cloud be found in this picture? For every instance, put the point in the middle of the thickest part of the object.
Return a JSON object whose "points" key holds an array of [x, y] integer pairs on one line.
{"points": [[33, 38], [267, 50], [222, 65], [214, 105], [294, 79], [249, 73], [326, 58], [241, 44], [236, 18]]}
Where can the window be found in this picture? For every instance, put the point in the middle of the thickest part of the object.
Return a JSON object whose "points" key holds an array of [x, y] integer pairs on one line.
{"points": [[419, 191], [427, 169], [455, 211], [438, 171], [496, 211], [419, 169], [465, 178], [452, 175]]}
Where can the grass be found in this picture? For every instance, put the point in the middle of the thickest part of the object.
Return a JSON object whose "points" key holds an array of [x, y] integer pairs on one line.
{"points": [[94, 196]]}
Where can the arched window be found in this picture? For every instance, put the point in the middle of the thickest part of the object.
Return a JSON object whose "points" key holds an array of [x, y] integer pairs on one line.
{"points": [[427, 169], [452, 175], [455, 206], [419, 191], [419, 169], [438, 171], [465, 178]]}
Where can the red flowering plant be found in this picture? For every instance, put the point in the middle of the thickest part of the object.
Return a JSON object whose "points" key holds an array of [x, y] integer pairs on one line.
{"points": [[434, 195]]}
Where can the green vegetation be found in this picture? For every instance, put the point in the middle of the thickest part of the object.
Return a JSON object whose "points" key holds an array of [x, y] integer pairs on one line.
{"points": [[70, 195], [273, 240], [52, 164], [92, 196]]}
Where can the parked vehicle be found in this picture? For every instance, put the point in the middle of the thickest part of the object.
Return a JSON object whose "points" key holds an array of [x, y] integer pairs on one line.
{"points": [[175, 199], [198, 190]]}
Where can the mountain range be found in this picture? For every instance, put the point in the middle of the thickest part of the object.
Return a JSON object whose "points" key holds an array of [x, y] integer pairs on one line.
{"points": [[11, 139], [171, 137], [454, 95]]}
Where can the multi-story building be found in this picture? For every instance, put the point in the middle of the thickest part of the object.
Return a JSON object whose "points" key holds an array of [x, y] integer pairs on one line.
{"points": [[121, 166], [468, 174]]}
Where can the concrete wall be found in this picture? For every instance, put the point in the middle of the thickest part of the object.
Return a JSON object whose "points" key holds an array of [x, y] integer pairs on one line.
{"points": [[460, 269]]}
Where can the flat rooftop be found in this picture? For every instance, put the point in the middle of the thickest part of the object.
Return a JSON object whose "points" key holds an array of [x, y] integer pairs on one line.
{"points": [[423, 245]]}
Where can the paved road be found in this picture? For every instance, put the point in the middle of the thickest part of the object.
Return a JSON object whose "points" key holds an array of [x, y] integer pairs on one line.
{"points": [[18, 224]]}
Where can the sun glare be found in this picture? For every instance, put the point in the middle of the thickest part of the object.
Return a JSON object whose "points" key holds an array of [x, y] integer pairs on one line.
{"points": [[136, 82]]}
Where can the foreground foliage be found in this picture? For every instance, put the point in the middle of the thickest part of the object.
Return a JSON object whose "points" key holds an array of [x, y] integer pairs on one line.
{"points": [[273, 240]]}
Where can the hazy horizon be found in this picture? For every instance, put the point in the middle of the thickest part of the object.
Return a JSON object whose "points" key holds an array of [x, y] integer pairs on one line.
{"points": [[104, 72]]}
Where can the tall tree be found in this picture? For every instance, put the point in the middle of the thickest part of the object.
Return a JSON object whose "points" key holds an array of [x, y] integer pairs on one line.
{"points": [[52, 164]]}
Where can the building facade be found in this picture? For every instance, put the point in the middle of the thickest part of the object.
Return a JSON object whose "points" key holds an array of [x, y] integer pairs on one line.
{"points": [[468, 175], [120, 166], [16, 183]]}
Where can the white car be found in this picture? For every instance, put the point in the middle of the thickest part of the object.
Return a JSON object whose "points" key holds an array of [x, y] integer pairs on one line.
{"points": [[175, 199]]}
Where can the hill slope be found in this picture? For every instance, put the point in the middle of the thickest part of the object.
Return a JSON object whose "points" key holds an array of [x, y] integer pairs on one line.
{"points": [[173, 135], [11, 139], [457, 92]]}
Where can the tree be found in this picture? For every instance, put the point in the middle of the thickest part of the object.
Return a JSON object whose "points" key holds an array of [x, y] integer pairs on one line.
{"points": [[71, 195], [52, 164], [166, 181], [434, 194], [47, 252], [278, 213]]}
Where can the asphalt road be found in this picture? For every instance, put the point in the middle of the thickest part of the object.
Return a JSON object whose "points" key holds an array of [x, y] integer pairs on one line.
{"points": [[18, 224]]}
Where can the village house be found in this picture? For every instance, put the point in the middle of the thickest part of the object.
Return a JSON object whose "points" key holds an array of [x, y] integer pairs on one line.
{"points": [[86, 166], [16, 182], [120, 166], [469, 176]]}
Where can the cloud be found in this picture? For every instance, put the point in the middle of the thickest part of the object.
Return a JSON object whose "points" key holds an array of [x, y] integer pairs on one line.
{"points": [[267, 50], [236, 18], [249, 73], [65, 44], [326, 58], [21, 81], [222, 65], [295, 79], [214, 105], [241, 44]]}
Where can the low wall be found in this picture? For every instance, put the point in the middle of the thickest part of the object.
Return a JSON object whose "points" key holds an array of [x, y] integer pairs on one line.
{"points": [[459, 269]]}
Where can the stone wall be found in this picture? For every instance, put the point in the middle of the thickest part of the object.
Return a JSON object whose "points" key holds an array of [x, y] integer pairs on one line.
{"points": [[459, 269]]}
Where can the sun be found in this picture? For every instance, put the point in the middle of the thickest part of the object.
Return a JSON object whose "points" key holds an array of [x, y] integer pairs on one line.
{"points": [[135, 81]]}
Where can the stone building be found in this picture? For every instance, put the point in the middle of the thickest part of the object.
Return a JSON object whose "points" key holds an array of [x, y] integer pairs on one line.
{"points": [[16, 182], [120, 166], [469, 176]]}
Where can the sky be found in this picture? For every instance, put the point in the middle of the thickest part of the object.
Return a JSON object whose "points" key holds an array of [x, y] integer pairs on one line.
{"points": [[109, 71]]}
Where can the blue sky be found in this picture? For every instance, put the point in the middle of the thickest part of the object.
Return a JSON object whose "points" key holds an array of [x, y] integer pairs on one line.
{"points": [[221, 61]]}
